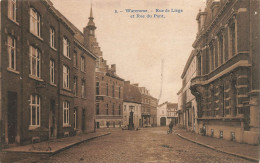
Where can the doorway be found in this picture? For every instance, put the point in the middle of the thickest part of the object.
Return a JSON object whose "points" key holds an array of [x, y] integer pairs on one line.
{"points": [[52, 119], [162, 121], [12, 116]]}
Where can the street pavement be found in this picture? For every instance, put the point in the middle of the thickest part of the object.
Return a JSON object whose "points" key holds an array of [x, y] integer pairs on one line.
{"points": [[145, 145]]}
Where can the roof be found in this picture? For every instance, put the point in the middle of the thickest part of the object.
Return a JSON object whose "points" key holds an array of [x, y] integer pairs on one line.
{"points": [[131, 93]]}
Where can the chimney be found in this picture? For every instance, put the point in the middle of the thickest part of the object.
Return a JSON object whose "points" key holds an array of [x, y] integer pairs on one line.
{"points": [[113, 68], [136, 84]]}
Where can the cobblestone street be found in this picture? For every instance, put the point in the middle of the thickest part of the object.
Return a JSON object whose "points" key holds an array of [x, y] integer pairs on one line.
{"points": [[145, 145]]}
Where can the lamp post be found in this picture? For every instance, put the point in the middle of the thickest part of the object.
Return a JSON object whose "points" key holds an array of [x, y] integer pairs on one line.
{"points": [[131, 118]]}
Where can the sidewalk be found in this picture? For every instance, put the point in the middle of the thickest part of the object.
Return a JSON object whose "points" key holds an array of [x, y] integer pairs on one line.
{"points": [[56, 145], [249, 152]]}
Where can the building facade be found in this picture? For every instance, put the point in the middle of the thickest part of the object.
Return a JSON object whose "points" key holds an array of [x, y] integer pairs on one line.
{"points": [[109, 86], [38, 99], [153, 111], [227, 83], [167, 112], [132, 103], [187, 110]]}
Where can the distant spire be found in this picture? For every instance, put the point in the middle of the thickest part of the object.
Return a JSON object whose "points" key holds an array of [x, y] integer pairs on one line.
{"points": [[91, 13], [91, 18]]}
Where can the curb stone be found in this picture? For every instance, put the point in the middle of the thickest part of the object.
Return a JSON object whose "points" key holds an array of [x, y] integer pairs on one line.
{"points": [[213, 148]]}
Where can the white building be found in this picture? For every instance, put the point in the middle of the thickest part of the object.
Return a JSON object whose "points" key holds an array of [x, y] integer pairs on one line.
{"points": [[132, 102], [166, 112], [187, 110]]}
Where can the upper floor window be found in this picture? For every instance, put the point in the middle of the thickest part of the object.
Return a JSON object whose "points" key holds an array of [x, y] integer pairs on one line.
{"points": [[119, 92], [113, 90], [75, 87], [83, 91], [52, 69], [119, 109], [66, 47], [107, 89], [66, 73], [232, 39], [97, 108], [97, 88], [12, 9], [35, 22], [52, 37], [35, 110], [75, 59], [35, 62], [11, 53], [82, 63]]}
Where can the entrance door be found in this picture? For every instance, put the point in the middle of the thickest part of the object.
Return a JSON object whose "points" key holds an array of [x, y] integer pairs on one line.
{"points": [[83, 120], [163, 121], [52, 119], [12, 116]]}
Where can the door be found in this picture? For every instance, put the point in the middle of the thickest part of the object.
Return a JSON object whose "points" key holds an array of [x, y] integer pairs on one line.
{"points": [[83, 119], [12, 116], [162, 121], [52, 119]]}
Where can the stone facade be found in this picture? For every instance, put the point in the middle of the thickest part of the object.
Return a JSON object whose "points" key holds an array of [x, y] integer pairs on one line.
{"points": [[227, 83], [37, 71], [187, 110]]}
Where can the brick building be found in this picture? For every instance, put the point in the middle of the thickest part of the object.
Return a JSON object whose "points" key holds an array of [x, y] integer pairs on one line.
{"points": [[47, 83], [227, 83], [109, 86], [148, 107]]}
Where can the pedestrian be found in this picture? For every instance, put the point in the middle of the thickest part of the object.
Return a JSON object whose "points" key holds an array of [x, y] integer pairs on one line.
{"points": [[170, 127]]}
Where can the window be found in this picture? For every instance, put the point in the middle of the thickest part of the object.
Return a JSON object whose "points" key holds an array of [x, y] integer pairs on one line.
{"points": [[35, 64], [66, 72], [35, 110], [75, 118], [52, 37], [83, 95], [107, 89], [119, 91], [66, 47], [107, 109], [97, 88], [66, 107], [35, 22], [113, 109], [220, 43], [232, 39], [124, 107], [12, 9], [12, 52], [82, 63], [75, 59], [52, 71], [113, 90], [97, 108], [75, 87], [119, 109]]}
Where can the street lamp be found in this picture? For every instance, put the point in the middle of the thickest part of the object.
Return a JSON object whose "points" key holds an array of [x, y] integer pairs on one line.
{"points": [[131, 118]]}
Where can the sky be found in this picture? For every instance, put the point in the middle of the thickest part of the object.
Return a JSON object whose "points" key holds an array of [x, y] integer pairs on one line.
{"points": [[141, 48]]}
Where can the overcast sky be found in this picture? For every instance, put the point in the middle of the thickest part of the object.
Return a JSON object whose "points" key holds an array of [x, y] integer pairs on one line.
{"points": [[138, 45]]}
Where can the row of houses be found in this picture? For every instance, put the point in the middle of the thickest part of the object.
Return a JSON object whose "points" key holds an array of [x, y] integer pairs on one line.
{"points": [[220, 82]]}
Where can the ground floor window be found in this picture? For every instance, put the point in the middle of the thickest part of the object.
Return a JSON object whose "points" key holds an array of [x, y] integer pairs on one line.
{"points": [[35, 110], [66, 106]]}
